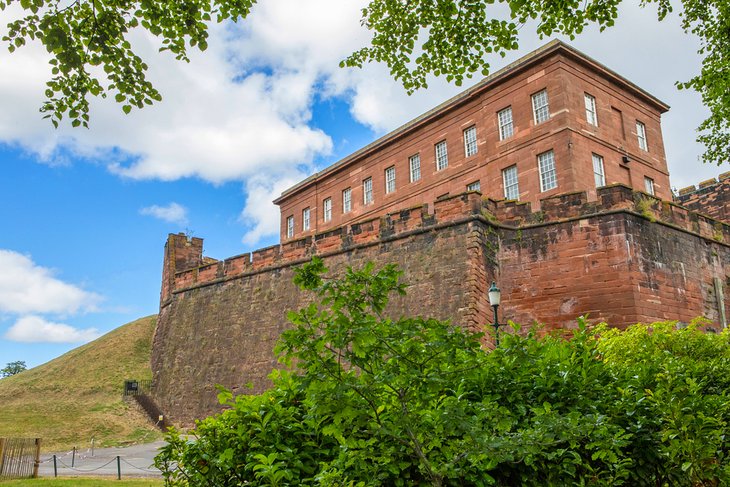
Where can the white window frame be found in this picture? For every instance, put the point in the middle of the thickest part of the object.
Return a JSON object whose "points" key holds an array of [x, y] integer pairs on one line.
{"points": [[290, 226], [367, 191], [470, 141], [540, 107], [506, 127], [442, 156], [390, 180], [591, 113], [649, 185], [475, 186], [599, 174], [414, 165], [548, 173], [327, 210], [641, 135], [511, 183], [305, 219], [346, 200]]}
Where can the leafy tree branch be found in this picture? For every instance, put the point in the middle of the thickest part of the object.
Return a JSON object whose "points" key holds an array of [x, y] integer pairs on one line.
{"points": [[92, 55]]}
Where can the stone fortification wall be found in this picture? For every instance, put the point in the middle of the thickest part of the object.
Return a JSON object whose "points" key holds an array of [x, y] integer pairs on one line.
{"points": [[626, 257], [712, 197], [219, 322]]}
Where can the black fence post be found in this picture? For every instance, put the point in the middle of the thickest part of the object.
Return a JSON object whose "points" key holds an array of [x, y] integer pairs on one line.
{"points": [[73, 458], [119, 469], [55, 467]]}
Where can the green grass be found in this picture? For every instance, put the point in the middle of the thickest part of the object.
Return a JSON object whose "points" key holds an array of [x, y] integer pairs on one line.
{"points": [[82, 482], [78, 396]]}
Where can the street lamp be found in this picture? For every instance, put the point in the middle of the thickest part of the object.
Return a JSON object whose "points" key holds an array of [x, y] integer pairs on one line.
{"points": [[495, 295]]}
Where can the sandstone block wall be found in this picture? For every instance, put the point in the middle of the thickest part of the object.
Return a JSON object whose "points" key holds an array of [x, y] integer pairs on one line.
{"points": [[221, 322], [711, 198], [624, 257]]}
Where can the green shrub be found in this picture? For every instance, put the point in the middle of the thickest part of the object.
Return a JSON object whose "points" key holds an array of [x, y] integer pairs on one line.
{"points": [[416, 401]]}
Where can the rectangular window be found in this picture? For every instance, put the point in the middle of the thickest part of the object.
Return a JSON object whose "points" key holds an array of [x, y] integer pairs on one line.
{"points": [[548, 177], [327, 207], [289, 227], [598, 173], [591, 114], [511, 188], [305, 219], [540, 108], [641, 135], [390, 180], [470, 141], [442, 158], [475, 186], [415, 164], [346, 200], [504, 117], [649, 185], [367, 191]]}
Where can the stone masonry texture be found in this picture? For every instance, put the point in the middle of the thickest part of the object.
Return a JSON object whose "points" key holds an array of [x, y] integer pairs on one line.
{"points": [[620, 256]]}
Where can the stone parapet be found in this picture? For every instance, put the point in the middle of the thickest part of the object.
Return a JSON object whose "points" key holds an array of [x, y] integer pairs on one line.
{"points": [[470, 205]]}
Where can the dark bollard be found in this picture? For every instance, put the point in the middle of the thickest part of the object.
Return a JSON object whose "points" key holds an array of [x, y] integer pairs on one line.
{"points": [[73, 458], [119, 469], [55, 467]]}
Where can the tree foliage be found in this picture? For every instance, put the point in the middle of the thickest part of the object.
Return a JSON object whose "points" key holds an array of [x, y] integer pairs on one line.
{"points": [[12, 368], [416, 401], [89, 42], [92, 54]]}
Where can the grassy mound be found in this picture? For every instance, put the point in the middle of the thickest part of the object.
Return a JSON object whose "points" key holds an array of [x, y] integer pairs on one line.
{"points": [[78, 396]]}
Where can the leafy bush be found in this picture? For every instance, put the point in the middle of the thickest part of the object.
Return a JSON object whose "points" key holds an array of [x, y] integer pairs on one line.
{"points": [[416, 401]]}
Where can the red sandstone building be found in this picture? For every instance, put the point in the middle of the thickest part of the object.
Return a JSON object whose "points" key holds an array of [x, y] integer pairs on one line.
{"points": [[553, 122], [595, 231]]}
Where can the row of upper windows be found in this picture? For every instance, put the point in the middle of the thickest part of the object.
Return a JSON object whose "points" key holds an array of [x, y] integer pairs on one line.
{"points": [[546, 161], [510, 181], [548, 181], [592, 118], [541, 113]]}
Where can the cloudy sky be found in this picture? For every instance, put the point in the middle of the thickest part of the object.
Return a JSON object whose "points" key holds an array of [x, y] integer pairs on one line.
{"points": [[85, 213]]}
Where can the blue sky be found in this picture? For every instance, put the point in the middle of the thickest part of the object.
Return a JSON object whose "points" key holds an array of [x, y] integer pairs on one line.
{"points": [[86, 213]]}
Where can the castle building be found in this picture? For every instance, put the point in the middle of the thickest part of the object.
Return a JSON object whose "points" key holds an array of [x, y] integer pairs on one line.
{"points": [[553, 122], [548, 177]]}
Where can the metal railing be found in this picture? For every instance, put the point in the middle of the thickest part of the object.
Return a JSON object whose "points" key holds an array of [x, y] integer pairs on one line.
{"points": [[141, 392]]}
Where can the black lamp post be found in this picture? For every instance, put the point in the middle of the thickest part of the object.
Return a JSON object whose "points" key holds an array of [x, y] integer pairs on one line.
{"points": [[495, 295]]}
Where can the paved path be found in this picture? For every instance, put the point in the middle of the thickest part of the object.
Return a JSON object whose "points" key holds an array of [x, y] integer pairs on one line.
{"points": [[135, 461]]}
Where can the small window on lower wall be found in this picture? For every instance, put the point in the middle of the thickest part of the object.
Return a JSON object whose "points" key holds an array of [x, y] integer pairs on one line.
{"points": [[346, 200], [305, 219], [548, 176], [475, 186], [390, 180], [289, 226], [511, 186], [649, 185], [598, 173], [367, 191], [327, 207]]}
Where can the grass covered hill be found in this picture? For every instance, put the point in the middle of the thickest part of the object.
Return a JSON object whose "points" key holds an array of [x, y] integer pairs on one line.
{"points": [[78, 396]]}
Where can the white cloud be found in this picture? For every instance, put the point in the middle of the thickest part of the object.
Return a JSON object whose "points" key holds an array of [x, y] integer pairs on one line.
{"points": [[242, 110], [28, 288], [259, 212], [172, 213], [34, 329], [213, 123]]}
